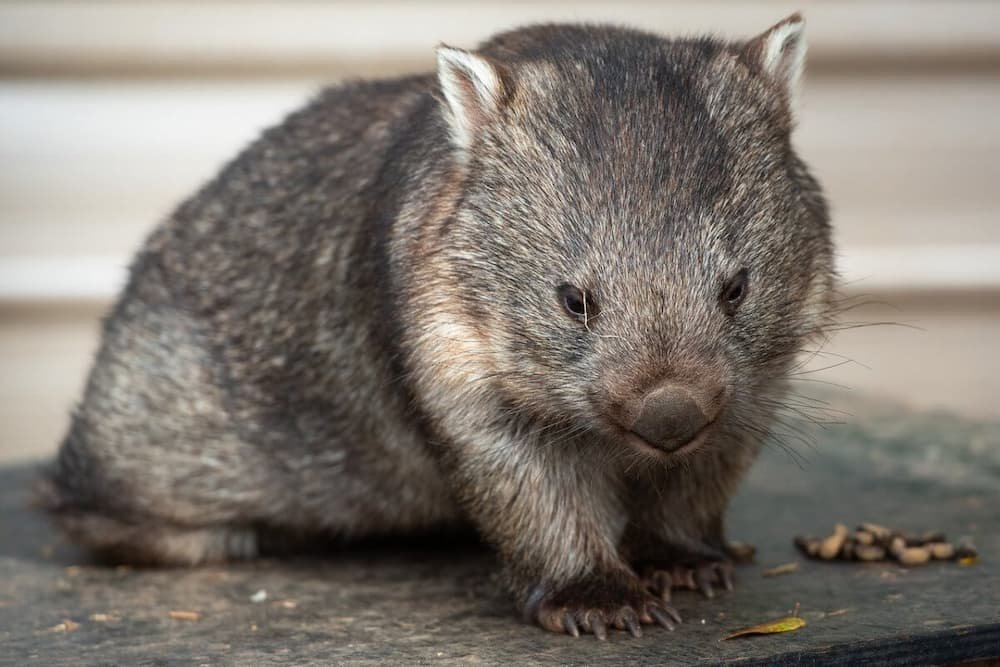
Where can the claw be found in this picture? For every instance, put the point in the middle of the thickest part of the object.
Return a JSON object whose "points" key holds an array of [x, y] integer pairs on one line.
{"points": [[726, 575], [631, 622], [662, 617], [660, 583], [570, 625], [704, 584], [598, 628], [666, 583], [669, 608]]}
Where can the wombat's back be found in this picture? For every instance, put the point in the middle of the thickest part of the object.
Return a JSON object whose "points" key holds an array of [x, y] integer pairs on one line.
{"points": [[247, 376]]}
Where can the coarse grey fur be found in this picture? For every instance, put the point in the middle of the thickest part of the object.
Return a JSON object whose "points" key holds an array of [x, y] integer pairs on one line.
{"points": [[355, 329]]}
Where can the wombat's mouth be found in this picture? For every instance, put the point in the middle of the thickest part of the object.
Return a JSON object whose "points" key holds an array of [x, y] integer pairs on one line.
{"points": [[637, 442]]}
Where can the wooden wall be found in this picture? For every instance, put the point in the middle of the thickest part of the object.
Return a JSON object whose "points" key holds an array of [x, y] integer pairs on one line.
{"points": [[111, 112]]}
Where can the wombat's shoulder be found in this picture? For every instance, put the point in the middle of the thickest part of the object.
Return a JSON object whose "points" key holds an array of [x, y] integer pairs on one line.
{"points": [[340, 134], [300, 188]]}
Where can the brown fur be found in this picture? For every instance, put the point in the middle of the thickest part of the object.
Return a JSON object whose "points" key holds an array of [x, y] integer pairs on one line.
{"points": [[354, 329]]}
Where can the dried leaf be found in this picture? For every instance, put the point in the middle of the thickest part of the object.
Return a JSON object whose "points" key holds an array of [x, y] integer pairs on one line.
{"points": [[184, 615], [778, 570], [968, 560], [786, 624]]}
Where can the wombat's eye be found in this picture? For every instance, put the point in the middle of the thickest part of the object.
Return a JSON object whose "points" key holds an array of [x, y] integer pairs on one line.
{"points": [[734, 292], [577, 303]]}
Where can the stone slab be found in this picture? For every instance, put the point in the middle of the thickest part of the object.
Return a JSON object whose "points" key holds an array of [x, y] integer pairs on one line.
{"points": [[439, 601]]}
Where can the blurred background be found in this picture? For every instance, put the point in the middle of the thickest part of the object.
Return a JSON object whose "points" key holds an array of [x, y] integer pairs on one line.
{"points": [[112, 112]]}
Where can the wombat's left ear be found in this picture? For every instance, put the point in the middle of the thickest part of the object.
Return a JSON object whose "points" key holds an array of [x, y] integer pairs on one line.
{"points": [[779, 53], [475, 88]]}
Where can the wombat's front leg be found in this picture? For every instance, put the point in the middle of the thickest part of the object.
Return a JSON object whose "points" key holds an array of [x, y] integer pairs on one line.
{"points": [[555, 518], [676, 534], [666, 562], [694, 571], [661, 578], [676, 554]]}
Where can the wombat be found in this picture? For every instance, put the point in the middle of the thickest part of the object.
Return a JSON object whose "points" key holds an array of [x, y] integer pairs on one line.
{"points": [[553, 292]]}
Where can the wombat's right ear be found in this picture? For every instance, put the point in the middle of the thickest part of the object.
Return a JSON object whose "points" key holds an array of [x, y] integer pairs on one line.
{"points": [[474, 87]]}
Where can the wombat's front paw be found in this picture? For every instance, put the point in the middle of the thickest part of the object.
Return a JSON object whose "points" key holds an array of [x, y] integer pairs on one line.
{"points": [[595, 605], [660, 579]]}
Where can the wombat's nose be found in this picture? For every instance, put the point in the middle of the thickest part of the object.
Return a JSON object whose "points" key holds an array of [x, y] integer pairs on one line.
{"points": [[669, 417]]}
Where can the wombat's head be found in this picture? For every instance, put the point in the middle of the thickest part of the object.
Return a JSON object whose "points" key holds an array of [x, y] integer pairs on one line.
{"points": [[636, 239]]}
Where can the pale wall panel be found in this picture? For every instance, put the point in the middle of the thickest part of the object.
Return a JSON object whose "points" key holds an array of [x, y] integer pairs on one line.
{"points": [[130, 36], [908, 151], [88, 167], [908, 162]]}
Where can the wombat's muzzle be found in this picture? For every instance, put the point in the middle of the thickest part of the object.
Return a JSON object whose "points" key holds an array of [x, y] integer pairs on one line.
{"points": [[671, 416]]}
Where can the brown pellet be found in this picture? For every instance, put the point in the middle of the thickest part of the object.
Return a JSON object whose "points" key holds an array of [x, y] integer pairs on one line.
{"points": [[830, 547], [913, 555], [941, 550], [808, 545], [922, 540], [864, 537], [869, 552], [880, 532], [897, 546]]}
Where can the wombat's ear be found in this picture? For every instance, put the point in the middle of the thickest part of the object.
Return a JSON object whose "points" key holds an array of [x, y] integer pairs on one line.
{"points": [[779, 53], [474, 87]]}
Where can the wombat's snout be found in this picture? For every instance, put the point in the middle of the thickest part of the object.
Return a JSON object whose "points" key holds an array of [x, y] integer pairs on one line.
{"points": [[671, 416]]}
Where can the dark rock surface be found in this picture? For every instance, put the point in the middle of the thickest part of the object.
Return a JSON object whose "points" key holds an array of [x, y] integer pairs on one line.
{"points": [[440, 601]]}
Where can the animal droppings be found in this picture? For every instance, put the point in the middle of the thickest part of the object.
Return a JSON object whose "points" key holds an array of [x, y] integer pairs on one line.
{"points": [[872, 542]]}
